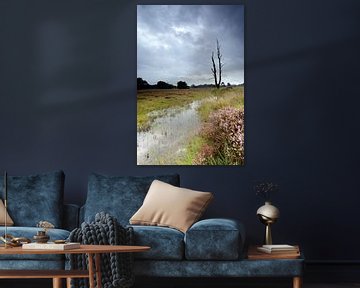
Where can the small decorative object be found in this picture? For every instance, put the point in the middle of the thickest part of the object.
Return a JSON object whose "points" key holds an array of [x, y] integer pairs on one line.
{"points": [[268, 213], [264, 189], [11, 241], [46, 225], [41, 236]]}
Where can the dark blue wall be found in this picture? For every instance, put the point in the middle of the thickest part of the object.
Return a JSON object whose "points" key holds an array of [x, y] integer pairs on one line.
{"points": [[68, 101]]}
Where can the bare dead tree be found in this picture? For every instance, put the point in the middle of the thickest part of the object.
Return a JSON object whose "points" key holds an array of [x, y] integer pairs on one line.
{"points": [[217, 71], [213, 69], [220, 65]]}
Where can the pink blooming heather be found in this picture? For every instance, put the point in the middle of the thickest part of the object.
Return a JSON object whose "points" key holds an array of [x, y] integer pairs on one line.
{"points": [[225, 133]]}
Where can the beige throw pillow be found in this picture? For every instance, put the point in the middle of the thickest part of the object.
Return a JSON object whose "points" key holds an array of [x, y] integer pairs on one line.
{"points": [[9, 221], [170, 206]]}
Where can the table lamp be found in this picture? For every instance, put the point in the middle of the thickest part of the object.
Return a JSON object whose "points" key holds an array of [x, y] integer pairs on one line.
{"points": [[268, 214]]}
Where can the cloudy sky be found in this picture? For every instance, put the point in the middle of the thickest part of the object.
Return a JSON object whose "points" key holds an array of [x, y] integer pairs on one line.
{"points": [[175, 42]]}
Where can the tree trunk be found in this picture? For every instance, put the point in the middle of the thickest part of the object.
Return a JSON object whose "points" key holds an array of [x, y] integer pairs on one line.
{"points": [[220, 65], [213, 69], [219, 59]]}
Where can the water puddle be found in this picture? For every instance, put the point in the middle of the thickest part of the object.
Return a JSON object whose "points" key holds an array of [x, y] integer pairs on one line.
{"points": [[168, 136]]}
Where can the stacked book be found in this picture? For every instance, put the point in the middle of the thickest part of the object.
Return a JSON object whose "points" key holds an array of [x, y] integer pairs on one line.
{"points": [[279, 249], [51, 246], [273, 252]]}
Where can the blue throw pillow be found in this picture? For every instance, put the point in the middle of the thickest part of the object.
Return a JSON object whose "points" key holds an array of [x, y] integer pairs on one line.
{"points": [[35, 198], [119, 196]]}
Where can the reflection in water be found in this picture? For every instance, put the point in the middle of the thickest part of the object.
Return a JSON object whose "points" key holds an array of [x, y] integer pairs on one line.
{"points": [[168, 136]]}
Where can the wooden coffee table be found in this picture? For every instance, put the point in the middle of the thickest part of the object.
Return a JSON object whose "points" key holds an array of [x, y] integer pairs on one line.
{"points": [[92, 251]]}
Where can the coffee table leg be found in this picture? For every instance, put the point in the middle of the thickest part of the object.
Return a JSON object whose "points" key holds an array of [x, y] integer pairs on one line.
{"points": [[57, 283], [68, 282], [297, 282], [91, 270], [98, 270]]}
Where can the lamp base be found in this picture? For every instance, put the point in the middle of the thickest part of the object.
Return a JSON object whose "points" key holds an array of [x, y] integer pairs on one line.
{"points": [[268, 237]]}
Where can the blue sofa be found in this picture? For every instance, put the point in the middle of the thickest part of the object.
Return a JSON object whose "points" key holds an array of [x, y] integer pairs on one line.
{"points": [[32, 199], [210, 248]]}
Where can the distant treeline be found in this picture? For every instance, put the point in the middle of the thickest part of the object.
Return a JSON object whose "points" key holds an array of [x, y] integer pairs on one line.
{"points": [[143, 84]]}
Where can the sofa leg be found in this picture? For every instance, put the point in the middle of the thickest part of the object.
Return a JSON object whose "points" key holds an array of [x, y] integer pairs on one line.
{"points": [[297, 282], [57, 283]]}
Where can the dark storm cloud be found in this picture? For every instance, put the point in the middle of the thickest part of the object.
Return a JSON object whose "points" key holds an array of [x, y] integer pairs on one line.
{"points": [[175, 42]]}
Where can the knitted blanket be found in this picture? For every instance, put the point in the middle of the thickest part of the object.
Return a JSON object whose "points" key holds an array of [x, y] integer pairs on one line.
{"points": [[116, 268]]}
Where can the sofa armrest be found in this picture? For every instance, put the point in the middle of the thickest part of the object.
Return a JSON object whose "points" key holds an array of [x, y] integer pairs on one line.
{"points": [[215, 239], [71, 216]]}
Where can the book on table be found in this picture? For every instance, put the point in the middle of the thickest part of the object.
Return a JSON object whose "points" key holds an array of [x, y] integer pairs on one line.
{"points": [[51, 246], [278, 249], [255, 254]]}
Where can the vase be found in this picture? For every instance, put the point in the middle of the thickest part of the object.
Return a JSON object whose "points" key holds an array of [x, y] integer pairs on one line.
{"points": [[268, 214]]}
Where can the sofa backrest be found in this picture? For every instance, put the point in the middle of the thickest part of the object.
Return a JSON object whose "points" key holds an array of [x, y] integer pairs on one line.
{"points": [[35, 198], [119, 196], [70, 219]]}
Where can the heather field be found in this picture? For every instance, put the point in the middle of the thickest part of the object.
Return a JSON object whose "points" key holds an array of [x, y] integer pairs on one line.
{"points": [[199, 126]]}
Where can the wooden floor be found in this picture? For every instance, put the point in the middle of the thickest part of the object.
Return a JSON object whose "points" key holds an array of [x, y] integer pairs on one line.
{"points": [[45, 283]]}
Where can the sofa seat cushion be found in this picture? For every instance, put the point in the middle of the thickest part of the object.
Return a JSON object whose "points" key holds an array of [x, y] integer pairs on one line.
{"points": [[214, 239], [35, 198], [213, 269], [119, 196], [166, 243], [29, 232]]}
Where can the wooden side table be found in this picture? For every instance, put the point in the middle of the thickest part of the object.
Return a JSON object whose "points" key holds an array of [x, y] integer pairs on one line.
{"points": [[254, 254], [93, 251]]}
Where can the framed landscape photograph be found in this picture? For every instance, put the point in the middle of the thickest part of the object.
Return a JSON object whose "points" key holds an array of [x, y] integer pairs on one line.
{"points": [[190, 85]]}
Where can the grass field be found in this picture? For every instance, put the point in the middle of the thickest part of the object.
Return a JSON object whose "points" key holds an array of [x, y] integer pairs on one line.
{"points": [[153, 104], [157, 100]]}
